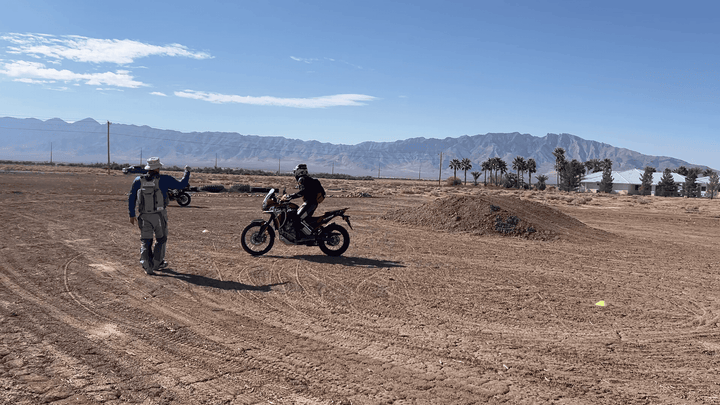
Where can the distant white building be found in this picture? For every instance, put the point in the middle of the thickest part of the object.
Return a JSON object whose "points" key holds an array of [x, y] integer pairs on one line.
{"points": [[628, 182]]}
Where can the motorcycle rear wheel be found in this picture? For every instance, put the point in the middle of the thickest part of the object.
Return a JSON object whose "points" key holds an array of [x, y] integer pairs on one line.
{"points": [[334, 240], [255, 243], [183, 199]]}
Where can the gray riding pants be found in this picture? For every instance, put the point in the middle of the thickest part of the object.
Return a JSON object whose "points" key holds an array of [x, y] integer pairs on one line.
{"points": [[150, 225]]}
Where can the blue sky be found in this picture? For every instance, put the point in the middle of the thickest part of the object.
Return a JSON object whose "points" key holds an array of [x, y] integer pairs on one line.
{"points": [[643, 75]]}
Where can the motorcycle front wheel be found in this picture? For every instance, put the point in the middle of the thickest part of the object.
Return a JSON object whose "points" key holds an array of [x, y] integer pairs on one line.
{"points": [[256, 243], [334, 240], [183, 199]]}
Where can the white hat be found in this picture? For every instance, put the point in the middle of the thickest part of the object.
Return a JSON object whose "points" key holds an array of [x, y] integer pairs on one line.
{"points": [[153, 163]]}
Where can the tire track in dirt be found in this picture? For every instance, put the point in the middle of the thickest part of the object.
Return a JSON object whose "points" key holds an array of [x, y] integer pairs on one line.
{"points": [[534, 341], [174, 346], [304, 361], [361, 339], [261, 358], [307, 353], [272, 368], [54, 326], [320, 327]]}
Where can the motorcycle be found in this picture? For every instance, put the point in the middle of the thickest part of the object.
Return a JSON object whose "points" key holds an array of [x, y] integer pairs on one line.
{"points": [[258, 237], [181, 196]]}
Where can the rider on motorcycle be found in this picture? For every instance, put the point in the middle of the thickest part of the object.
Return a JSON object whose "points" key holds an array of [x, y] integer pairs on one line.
{"points": [[312, 193]]}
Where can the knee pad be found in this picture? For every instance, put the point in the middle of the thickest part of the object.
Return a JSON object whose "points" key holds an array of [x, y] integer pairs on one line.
{"points": [[162, 240]]}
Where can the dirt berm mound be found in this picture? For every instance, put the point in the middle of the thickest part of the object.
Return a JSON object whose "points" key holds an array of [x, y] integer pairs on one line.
{"points": [[504, 215]]}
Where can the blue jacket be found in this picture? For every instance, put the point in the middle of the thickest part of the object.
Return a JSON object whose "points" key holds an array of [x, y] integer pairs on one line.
{"points": [[165, 183]]}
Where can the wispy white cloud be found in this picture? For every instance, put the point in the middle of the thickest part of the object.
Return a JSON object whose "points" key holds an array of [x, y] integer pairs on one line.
{"points": [[33, 81], [304, 60], [157, 93], [314, 102], [37, 71], [312, 60], [351, 64], [83, 49]]}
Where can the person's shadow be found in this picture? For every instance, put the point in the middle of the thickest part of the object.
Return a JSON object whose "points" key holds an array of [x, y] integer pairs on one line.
{"points": [[350, 261], [211, 282]]}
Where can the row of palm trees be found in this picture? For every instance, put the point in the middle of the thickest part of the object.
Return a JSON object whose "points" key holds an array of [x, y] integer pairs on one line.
{"points": [[461, 164], [497, 166]]}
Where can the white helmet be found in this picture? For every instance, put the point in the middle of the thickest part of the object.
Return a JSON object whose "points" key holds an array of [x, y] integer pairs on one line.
{"points": [[300, 170]]}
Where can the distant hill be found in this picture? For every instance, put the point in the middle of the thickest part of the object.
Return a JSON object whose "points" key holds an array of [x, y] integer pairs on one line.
{"points": [[86, 141]]}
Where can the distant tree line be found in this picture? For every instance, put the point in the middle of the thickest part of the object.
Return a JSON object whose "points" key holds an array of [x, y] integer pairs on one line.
{"points": [[667, 187], [495, 171], [570, 174]]}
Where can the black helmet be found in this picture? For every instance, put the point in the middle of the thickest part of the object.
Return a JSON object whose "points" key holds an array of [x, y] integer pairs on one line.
{"points": [[300, 170]]}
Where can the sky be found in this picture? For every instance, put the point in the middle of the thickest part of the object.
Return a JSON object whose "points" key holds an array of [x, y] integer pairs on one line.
{"points": [[642, 75]]}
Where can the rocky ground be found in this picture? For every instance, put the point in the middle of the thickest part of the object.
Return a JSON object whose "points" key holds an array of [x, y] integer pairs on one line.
{"points": [[447, 295]]}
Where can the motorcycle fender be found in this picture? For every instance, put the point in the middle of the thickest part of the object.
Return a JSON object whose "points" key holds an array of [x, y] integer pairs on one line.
{"points": [[261, 222]]}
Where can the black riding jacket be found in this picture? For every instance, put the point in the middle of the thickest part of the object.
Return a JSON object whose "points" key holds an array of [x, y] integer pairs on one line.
{"points": [[308, 189]]}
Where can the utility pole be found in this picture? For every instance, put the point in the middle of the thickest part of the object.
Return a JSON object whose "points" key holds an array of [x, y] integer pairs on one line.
{"points": [[141, 156], [440, 176], [216, 160], [108, 143], [333, 168], [279, 165], [50, 152]]}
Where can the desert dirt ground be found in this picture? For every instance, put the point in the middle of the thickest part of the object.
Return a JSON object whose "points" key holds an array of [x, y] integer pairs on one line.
{"points": [[429, 305]]}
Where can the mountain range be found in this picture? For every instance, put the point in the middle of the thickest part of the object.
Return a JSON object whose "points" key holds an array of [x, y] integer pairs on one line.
{"points": [[86, 141]]}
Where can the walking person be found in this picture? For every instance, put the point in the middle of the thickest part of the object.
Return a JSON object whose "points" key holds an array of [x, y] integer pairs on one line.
{"points": [[149, 198]]}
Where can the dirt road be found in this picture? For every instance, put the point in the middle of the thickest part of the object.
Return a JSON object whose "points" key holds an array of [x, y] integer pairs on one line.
{"points": [[411, 314]]}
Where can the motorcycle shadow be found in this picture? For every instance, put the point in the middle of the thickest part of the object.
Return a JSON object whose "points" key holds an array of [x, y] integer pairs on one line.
{"points": [[211, 282], [350, 261]]}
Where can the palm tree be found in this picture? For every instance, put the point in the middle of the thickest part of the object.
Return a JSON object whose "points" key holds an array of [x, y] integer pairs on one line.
{"points": [[486, 165], [607, 163], [560, 161], [475, 177], [455, 165], [594, 165], [531, 167], [493, 168], [519, 165], [465, 165], [497, 162], [541, 181], [502, 167]]}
